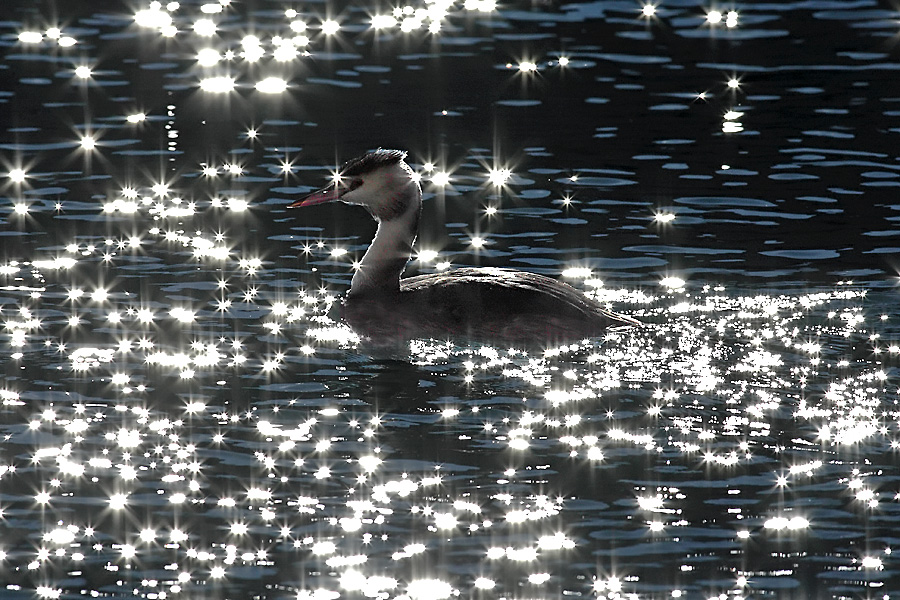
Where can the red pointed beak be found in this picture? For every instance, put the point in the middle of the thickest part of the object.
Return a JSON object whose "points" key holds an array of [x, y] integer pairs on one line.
{"points": [[329, 194]]}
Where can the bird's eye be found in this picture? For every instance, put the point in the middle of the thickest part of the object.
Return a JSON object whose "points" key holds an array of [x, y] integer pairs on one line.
{"points": [[353, 184]]}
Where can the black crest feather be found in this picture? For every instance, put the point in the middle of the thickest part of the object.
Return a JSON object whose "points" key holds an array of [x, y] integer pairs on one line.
{"points": [[371, 161]]}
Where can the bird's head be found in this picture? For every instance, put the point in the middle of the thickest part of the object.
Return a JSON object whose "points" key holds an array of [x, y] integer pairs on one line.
{"points": [[380, 181]]}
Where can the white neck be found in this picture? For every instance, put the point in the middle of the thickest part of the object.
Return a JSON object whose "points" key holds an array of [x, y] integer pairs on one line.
{"points": [[383, 263]]}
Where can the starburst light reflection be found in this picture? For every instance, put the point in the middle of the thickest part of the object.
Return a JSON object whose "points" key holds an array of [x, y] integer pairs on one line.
{"points": [[224, 423]]}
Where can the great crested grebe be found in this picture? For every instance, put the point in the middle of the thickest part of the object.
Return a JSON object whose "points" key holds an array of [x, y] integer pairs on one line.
{"points": [[490, 304]]}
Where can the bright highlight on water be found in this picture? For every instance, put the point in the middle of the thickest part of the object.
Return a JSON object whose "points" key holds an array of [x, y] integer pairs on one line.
{"points": [[185, 413]]}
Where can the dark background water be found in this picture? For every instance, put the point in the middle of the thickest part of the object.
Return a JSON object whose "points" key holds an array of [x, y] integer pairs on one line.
{"points": [[656, 463], [804, 192]]}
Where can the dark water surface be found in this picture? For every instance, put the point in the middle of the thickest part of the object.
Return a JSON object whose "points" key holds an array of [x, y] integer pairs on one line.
{"points": [[184, 415]]}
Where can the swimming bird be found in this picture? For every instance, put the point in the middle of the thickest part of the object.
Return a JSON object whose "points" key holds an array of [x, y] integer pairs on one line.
{"points": [[488, 304]]}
